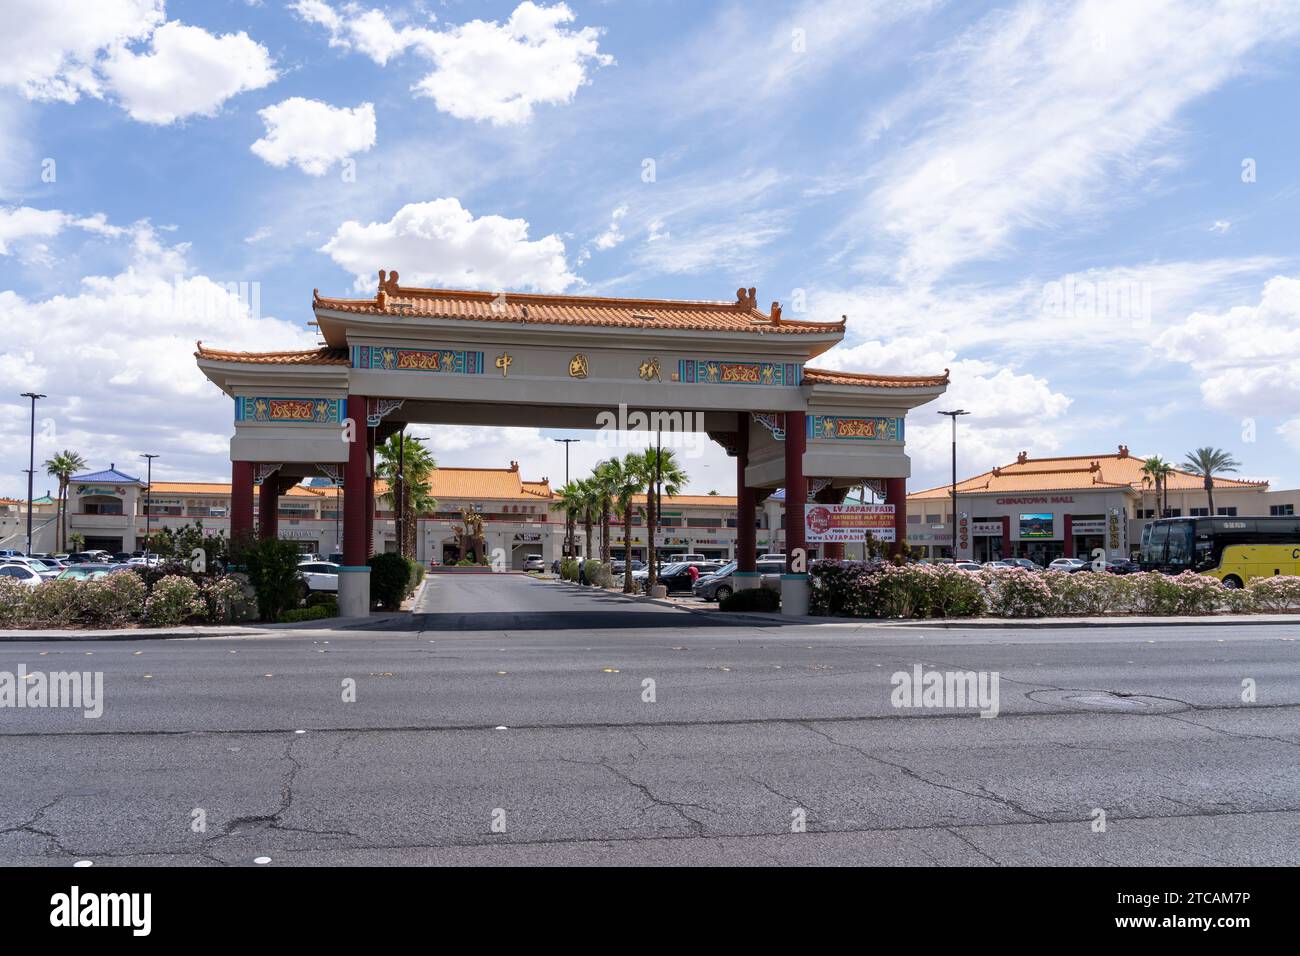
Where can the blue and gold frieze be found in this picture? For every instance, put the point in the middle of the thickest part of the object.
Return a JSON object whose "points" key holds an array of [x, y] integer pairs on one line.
{"points": [[851, 428], [392, 358], [290, 410], [723, 372]]}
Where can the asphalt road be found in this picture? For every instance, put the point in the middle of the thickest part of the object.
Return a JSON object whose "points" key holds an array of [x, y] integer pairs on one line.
{"points": [[522, 703]]}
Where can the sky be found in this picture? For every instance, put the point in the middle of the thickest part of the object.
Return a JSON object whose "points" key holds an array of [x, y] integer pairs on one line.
{"points": [[1085, 210]]}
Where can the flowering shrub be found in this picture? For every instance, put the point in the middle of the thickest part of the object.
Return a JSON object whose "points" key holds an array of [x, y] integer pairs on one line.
{"points": [[1014, 592], [1280, 593], [114, 600], [880, 590], [13, 602], [174, 600], [225, 600]]}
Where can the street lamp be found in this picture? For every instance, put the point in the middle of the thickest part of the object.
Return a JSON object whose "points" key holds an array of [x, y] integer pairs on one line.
{"points": [[568, 525], [148, 501], [31, 466], [954, 415]]}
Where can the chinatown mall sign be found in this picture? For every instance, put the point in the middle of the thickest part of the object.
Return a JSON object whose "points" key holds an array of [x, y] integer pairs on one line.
{"points": [[830, 523]]}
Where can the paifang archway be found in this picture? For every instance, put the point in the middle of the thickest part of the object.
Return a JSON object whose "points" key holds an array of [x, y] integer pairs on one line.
{"points": [[434, 356]]}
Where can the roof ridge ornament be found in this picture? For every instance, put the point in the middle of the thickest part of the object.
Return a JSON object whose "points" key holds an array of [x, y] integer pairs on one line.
{"points": [[387, 286], [747, 298]]}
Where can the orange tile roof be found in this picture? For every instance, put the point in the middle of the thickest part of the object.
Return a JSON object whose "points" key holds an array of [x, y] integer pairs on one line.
{"points": [[669, 501], [480, 484], [318, 356], [818, 376], [741, 315], [1075, 473]]}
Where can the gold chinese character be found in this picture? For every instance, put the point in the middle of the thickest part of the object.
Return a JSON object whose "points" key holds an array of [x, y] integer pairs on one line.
{"points": [[578, 366], [503, 362], [650, 369]]}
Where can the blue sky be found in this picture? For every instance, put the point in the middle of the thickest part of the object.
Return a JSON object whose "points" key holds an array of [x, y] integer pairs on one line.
{"points": [[1085, 210]]}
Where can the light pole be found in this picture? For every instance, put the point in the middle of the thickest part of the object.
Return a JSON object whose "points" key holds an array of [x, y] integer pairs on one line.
{"points": [[954, 415], [31, 466], [568, 525], [148, 501]]}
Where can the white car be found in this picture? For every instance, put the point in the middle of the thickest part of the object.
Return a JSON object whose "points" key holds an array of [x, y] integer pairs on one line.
{"points": [[967, 566], [1068, 565], [320, 575], [35, 566], [534, 562], [152, 561], [21, 572]]}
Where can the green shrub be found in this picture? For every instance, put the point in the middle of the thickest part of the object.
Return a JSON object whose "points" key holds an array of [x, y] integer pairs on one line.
{"points": [[317, 613], [569, 569], [752, 599], [317, 598], [272, 567], [598, 573], [174, 600], [390, 579], [417, 574], [14, 599], [224, 597]]}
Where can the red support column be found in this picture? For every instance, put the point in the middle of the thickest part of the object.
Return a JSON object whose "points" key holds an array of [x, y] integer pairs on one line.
{"points": [[370, 492], [746, 534], [796, 486], [1067, 532], [896, 495], [241, 498], [354, 488], [268, 507], [1006, 536]]}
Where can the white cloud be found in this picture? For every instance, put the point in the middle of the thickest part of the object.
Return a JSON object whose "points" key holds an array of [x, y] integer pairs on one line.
{"points": [[1038, 115], [441, 243], [186, 71], [19, 224], [146, 318], [314, 135], [483, 69], [612, 236], [1247, 357], [1220, 226], [49, 49]]}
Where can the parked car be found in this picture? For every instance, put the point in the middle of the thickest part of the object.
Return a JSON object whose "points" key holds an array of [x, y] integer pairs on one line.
{"points": [[678, 577], [772, 556], [21, 573], [998, 564], [90, 570], [32, 564], [1118, 566], [10, 553], [687, 557], [1022, 563], [967, 566], [721, 584], [1070, 565], [534, 562], [319, 575]]}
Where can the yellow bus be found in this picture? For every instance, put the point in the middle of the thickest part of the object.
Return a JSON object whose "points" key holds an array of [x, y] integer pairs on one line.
{"points": [[1234, 550]]}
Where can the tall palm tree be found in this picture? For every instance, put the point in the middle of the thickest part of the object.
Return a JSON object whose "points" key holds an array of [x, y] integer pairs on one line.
{"points": [[588, 509], [625, 480], [602, 478], [671, 478], [1159, 470], [410, 484], [63, 466], [1205, 463], [568, 498]]}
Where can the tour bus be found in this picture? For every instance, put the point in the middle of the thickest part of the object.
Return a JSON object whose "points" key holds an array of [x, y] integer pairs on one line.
{"points": [[1234, 550]]}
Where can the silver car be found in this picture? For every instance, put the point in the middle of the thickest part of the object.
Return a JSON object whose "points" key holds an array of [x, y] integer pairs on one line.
{"points": [[720, 585]]}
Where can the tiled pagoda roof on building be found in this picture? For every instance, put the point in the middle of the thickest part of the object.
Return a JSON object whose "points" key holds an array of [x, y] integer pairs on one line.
{"points": [[109, 475], [317, 356], [742, 315], [818, 376], [482, 484], [1076, 473]]}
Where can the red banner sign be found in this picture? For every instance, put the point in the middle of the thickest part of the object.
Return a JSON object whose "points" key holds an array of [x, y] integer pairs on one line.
{"points": [[847, 522]]}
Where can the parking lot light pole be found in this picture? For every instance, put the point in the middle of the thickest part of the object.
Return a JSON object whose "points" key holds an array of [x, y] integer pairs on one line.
{"points": [[568, 525], [954, 415], [148, 503], [31, 466]]}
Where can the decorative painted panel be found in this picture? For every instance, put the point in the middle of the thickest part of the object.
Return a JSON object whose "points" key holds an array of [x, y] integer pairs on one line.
{"points": [[855, 429], [288, 411], [391, 358], [722, 372]]}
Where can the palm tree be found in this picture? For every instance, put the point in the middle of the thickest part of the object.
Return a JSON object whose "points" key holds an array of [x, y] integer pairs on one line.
{"points": [[409, 484], [1159, 470], [588, 509], [568, 498], [625, 480], [63, 466], [671, 478], [1205, 463], [603, 483]]}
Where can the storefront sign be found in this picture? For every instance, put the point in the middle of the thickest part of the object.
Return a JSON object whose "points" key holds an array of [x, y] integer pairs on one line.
{"points": [[299, 534], [987, 528], [527, 536], [1053, 500], [1092, 526], [831, 522]]}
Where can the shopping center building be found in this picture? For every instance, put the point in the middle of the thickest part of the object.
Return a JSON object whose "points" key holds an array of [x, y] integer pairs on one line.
{"points": [[1047, 508]]}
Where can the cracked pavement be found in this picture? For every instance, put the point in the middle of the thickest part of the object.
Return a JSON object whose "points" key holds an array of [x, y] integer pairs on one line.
{"points": [[750, 724]]}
